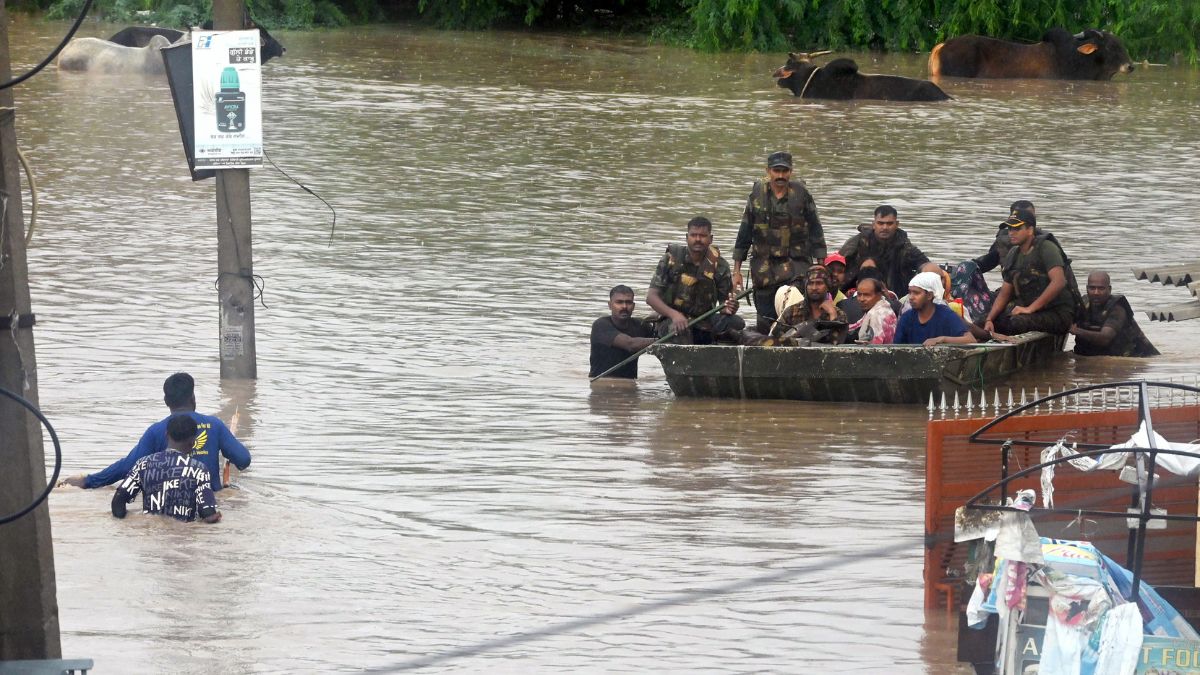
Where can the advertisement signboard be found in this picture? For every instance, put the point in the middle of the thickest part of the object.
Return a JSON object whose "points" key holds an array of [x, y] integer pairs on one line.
{"points": [[227, 99]]}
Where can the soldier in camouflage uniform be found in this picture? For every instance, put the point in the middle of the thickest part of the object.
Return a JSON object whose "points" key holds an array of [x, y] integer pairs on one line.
{"points": [[817, 305], [1036, 295], [689, 281], [887, 248], [780, 231], [1105, 325]]}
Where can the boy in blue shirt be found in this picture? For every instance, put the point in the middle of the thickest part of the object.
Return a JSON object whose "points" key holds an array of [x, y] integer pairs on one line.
{"points": [[929, 323], [213, 439]]}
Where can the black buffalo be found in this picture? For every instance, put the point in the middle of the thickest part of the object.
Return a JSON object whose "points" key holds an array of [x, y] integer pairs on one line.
{"points": [[1090, 55], [139, 36], [839, 79]]}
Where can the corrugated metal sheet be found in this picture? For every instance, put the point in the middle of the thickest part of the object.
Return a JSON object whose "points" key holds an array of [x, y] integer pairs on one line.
{"points": [[1187, 274], [1188, 310], [1172, 275]]}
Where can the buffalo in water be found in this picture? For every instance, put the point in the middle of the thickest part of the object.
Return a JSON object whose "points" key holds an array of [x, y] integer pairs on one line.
{"points": [[1090, 55], [840, 80], [134, 51], [139, 36], [101, 56]]}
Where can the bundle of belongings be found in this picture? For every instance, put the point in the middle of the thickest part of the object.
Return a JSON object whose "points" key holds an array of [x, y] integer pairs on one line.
{"points": [[1089, 626], [1080, 595]]}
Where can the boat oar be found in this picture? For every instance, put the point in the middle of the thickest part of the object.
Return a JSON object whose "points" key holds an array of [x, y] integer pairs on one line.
{"points": [[672, 334]]}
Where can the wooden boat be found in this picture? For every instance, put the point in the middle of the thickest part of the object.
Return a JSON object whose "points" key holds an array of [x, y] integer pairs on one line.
{"points": [[875, 373]]}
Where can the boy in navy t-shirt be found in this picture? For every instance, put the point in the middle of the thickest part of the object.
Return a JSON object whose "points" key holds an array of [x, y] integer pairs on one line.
{"points": [[929, 323]]}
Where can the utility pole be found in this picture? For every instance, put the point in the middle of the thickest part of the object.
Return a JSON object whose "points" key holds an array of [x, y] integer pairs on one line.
{"points": [[235, 259], [28, 601]]}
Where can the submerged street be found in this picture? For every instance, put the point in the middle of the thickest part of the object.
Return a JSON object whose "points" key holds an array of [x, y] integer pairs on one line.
{"points": [[433, 474]]}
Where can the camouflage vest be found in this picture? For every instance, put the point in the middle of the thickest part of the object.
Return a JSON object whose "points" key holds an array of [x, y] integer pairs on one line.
{"points": [[780, 236], [1129, 340], [1032, 280], [693, 288]]}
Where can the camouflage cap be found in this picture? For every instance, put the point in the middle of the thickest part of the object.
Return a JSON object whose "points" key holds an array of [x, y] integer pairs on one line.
{"points": [[780, 158]]}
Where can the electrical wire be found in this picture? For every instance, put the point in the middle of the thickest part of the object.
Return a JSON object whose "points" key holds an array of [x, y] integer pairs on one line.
{"points": [[57, 456], [54, 54], [305, 187]]}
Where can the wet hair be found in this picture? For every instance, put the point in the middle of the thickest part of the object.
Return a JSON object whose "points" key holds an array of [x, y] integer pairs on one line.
{"points": [[619, 289], [701, 222], [876, 282], [1021, 204], [178, 390], [181, 427], [886, 210]]}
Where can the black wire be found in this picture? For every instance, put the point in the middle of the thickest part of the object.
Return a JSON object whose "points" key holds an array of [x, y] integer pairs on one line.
{"points": [[260, 285], [57, 456], [46, 61], [306, 189]]}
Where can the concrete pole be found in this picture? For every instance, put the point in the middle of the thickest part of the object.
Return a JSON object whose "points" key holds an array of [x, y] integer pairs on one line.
{"points": [[28, 602], [235, 259]]}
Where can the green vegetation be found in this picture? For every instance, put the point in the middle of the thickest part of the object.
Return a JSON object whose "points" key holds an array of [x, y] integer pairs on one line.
{"points": [[1154, 29]]}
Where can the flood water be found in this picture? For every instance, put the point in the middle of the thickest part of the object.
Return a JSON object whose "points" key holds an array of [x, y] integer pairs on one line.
{"points": [[434, 482]]}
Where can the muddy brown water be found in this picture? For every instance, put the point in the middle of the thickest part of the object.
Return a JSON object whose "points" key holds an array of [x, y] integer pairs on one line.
{"points": [[434, 481]]}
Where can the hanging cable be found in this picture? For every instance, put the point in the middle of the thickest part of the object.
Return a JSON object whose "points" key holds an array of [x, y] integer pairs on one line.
{"points": [[54, 54], [305, 188], [33, 198], [57, 456]]}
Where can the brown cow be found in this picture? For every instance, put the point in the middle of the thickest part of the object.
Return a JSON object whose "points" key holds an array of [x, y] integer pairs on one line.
{"points": [[839, 79], [1090, 55]]}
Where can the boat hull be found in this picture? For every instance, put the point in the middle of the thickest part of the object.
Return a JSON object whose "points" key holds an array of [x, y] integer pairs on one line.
{"points": [[873, 373]]}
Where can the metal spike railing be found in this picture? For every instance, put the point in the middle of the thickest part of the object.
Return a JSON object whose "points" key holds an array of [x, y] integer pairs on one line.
{"points": [[945, 406]]}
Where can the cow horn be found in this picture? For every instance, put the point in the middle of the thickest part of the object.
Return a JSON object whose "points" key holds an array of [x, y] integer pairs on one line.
{"points": [[821, 53], [1078, 36]]}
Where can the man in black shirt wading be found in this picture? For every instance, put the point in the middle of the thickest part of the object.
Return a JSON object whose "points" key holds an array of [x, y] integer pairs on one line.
{"points": [[617, 337]]}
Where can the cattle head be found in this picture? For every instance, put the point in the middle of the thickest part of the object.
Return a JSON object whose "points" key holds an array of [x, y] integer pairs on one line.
{"points": [[794, 74], [1091, 55], [268, 46]]}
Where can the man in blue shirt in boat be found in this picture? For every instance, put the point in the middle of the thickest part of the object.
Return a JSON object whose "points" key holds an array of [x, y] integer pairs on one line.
{"points": [[171, 482], [930, 323], [212, 440]]}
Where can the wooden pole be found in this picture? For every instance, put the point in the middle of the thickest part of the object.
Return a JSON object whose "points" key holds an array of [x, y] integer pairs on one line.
{"points": [[235, 259], [28, 602]]}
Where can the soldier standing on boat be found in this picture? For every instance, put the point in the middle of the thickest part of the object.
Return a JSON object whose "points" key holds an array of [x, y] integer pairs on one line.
{"points": [[1105, 325], [782, 233], [689, 281]]}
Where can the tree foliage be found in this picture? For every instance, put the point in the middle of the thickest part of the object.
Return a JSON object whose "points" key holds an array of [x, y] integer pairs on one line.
{"points": [[1154, 29]]}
